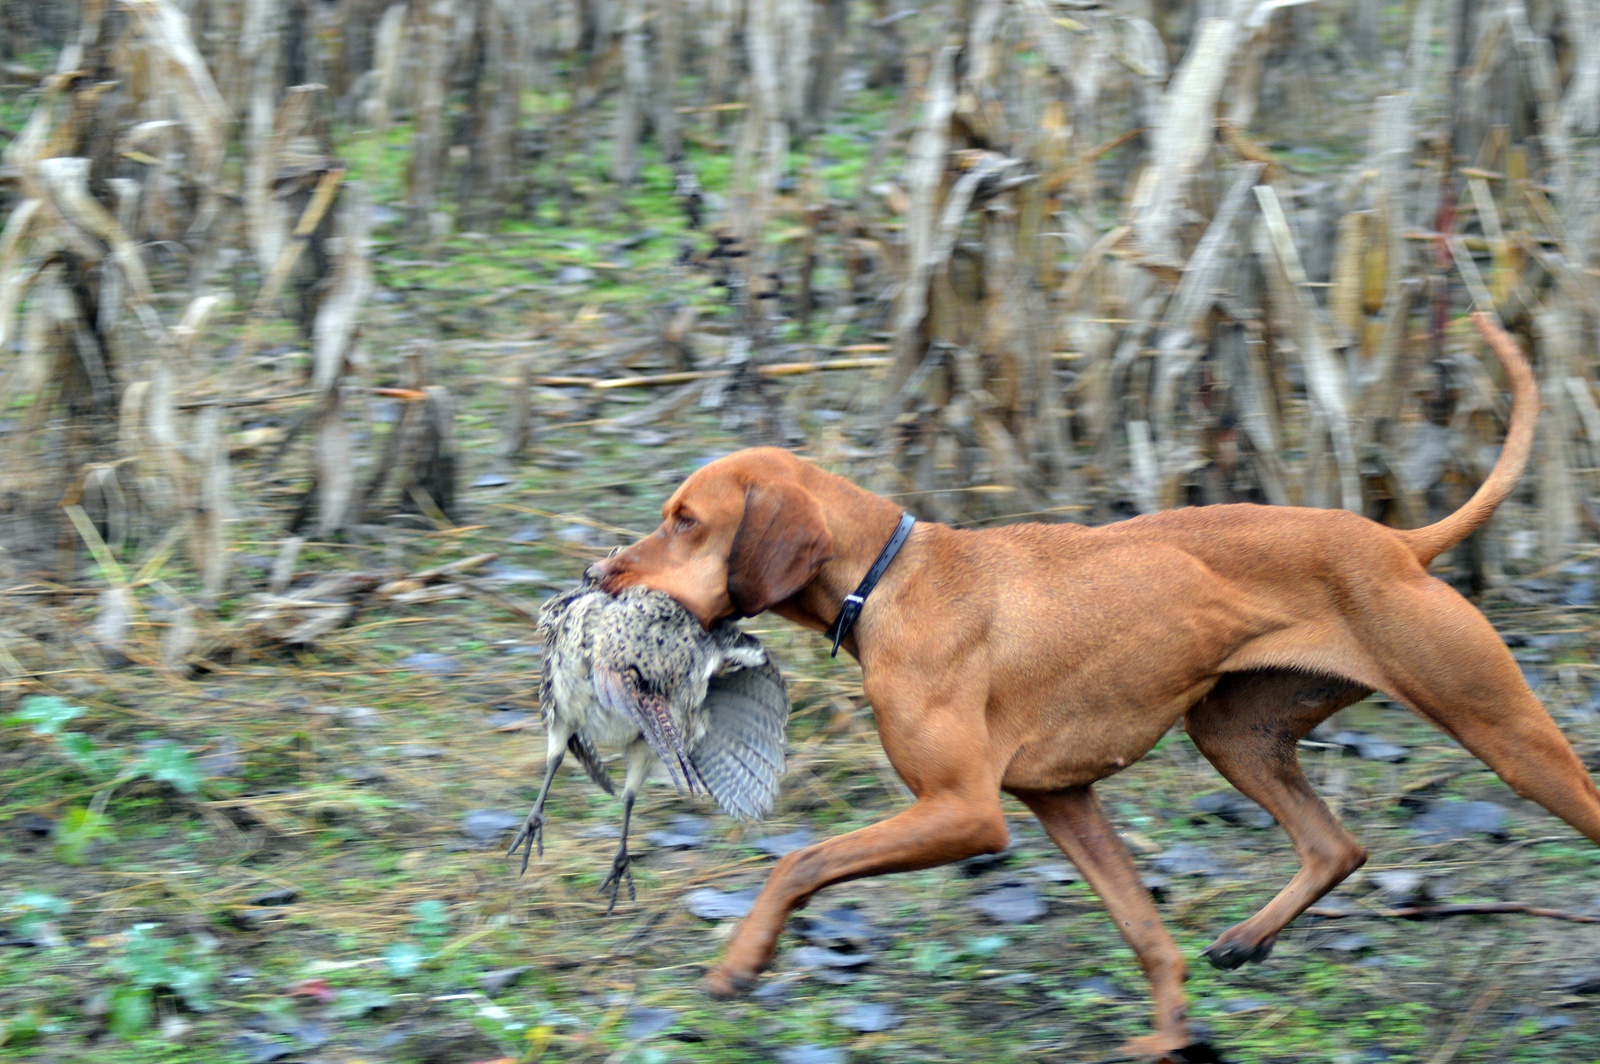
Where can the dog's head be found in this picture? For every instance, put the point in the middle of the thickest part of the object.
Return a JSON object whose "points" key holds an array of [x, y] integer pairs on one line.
{"points": [[739, 536]]}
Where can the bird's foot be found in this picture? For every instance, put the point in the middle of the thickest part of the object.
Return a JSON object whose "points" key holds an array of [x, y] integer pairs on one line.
{"points": [[620, 870], [530, 837]]}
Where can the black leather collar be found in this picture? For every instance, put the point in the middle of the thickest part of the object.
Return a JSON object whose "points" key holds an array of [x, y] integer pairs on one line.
{"points": [[858, 598]]}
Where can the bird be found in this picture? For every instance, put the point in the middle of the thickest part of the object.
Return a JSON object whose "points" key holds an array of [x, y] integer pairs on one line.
{"points": [[639, 672]]}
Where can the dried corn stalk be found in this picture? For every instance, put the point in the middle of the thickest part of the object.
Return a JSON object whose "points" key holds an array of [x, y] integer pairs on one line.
{"points": [[69, 256]]}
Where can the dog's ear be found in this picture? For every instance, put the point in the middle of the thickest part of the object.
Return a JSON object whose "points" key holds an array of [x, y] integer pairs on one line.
{"points": [[779, 545]]}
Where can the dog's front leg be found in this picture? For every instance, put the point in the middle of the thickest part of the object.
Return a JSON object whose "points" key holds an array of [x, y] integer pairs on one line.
{"points": [[939, 828], [1077, 823]]}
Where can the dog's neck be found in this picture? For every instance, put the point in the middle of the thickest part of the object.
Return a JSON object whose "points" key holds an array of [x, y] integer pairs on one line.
{"points": [[857, 543]]}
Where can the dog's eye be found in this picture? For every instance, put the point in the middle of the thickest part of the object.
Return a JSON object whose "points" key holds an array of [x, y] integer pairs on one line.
{"points": [[684, 523]]}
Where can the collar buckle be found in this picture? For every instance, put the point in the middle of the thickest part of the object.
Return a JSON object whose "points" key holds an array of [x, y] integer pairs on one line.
{"points": [[853, 602]]}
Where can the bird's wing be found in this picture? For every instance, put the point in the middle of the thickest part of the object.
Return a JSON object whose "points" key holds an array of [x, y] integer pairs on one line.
{"points": [[564, 623], [620, 691], [564, 629], [547, 691], [553, 613], [578, 743], [589, 758], [741, 757], [736, 648]]}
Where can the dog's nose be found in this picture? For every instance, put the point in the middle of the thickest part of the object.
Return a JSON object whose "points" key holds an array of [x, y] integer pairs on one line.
{"points": [[605, 567]]}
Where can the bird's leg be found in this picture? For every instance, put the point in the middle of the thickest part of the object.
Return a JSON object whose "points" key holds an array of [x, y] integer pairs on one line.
{"points": [[620, 869], [640, 760], [532, 833]]}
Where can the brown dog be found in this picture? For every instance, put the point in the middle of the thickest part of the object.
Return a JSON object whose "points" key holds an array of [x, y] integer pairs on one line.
{"points": [[1037, 659]]}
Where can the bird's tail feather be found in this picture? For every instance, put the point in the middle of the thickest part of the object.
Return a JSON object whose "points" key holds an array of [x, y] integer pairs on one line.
{"points": [[622, 693]]}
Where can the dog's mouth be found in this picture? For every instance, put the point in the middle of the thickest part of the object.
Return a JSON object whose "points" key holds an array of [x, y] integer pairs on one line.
{"points": [[616, 584], [607, 572], [623, 568]]}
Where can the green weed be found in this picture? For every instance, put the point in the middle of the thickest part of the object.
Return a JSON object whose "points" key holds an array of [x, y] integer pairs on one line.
{"points": [[146, 965]]}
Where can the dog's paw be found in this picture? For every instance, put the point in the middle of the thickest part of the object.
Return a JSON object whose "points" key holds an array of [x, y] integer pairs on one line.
{"points": [[1228, 953], [1159, 1049], [722, 984]]}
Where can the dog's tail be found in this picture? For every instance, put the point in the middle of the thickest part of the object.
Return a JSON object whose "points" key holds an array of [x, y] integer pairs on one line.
{"points": [[1430, 541]]}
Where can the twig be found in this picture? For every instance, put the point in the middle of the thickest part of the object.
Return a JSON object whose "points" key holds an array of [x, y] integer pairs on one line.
{"points": [[505, 602], [455, 568], [1463, 1027], [228, 404], [645, 380], [1429, 912]]}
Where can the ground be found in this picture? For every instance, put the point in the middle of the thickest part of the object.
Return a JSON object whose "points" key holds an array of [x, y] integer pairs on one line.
{"points": [[296, 853], [335, 888]]}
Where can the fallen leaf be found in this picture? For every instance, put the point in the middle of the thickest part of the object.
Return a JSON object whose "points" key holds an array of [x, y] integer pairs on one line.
{"points": [[709, 903], [1401, 886], [787, 843], [811, 1054], [259, 1049], [842, 927], [1444, 821], [869, 1016], [685, 833], [1350, 944], [1102, 987], [437, 664], [1233, 807], [1012, 902], [823, 957], [1188, 859], [1054, 872], [1371, 747], [499, 979], [316, 989], [644, 1021], [483, 826], [356, 1002], [223, 760]]}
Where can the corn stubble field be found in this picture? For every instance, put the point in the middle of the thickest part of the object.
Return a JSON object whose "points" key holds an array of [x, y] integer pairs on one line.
{"points": [[261, 816]]}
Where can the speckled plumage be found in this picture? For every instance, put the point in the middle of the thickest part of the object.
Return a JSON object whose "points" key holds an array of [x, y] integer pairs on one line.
{"points": [[638, 672]]}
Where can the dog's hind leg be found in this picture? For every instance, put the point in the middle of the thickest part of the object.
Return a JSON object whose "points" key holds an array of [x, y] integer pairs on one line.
{"points": [[1464, 681], [1249, 726]]}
